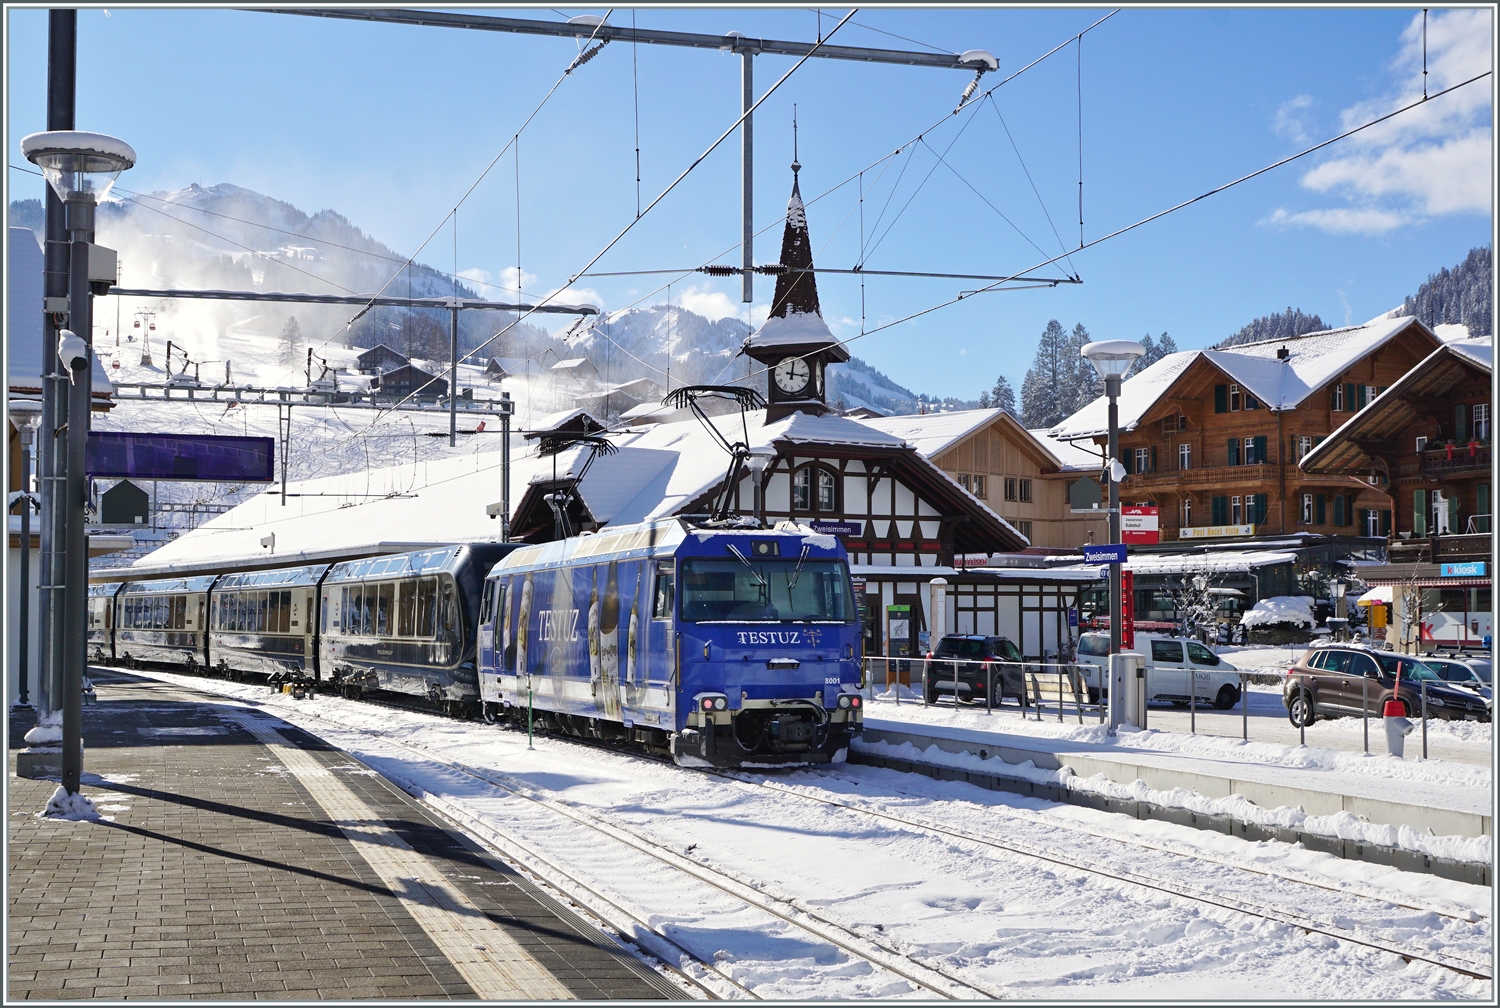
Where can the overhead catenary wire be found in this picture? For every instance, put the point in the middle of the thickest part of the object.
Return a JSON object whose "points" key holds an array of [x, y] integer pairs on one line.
{"points": [[665, 192], [995, 287]]}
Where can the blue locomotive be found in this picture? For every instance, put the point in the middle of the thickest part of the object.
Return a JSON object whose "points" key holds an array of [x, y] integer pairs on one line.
{"points": [[721, 646]]}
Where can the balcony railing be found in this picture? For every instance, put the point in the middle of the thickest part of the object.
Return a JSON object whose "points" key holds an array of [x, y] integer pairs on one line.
{"points": [[1206, 475], [1457, 459], [1440, 549]]}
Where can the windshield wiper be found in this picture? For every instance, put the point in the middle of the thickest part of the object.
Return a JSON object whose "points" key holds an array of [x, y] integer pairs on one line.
{"points": [[797, 571], [764, 586]]}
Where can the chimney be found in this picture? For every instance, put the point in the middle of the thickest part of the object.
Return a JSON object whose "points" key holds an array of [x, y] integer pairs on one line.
{"points": [[1282, 353]]}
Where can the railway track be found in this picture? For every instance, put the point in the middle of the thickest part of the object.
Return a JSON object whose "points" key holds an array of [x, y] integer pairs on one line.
{"points": [[885, 956], [1457, 964]]}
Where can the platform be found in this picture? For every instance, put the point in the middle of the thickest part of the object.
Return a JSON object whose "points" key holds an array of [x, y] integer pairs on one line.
{"points": [[1447, 810], [245, 859]]}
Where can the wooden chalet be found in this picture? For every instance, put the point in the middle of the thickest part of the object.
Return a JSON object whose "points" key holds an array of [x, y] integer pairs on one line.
{"points": [[409, 380], [1213, 438], [380, 358]]}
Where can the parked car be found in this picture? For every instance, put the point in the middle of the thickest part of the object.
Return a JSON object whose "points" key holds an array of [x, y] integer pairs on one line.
{"points": [[1338, 680], [972, 669], [1169, 663], [1470, 673]]}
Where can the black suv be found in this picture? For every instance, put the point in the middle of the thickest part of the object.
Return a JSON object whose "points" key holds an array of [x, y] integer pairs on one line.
{"points": [[1334, 680], [971, 671]]}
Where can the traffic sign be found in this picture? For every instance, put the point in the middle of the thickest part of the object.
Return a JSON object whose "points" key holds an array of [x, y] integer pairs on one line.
{"points": [[1112, 553]]}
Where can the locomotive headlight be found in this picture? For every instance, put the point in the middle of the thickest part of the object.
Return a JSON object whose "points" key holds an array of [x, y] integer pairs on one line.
{"points": [[848, 700], [721, 704]]}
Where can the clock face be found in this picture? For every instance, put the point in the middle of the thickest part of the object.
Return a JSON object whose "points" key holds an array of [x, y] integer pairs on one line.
{"points": [[792, 375]]}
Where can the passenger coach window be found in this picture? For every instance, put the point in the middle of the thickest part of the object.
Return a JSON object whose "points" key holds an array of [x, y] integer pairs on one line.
{"points": [[427, 607], [406, 608]]}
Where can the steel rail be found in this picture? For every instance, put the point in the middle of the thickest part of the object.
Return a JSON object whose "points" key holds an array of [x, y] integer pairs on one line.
{"points": [[1220, 901]]}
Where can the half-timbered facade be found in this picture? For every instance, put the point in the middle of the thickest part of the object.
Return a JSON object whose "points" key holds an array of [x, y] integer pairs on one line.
{"points": [[1213, 437]]}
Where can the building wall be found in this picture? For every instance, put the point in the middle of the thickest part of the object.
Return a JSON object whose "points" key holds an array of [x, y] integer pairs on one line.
{"points": [[1010, 474], [1276, 479], [1464, 477]]}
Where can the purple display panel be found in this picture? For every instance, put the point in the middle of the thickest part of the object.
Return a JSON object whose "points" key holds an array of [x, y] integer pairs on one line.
{"points": [[205, 457]]}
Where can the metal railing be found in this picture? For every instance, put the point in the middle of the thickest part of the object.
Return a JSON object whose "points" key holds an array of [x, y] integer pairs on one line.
{"points": [[1039, 686]]}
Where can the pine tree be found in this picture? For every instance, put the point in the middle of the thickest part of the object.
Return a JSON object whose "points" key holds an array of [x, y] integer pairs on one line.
{"points": [[291, 341], [1288, 324], [984, 400], [1461, 295], [1002, 396], [1047, 379], [1082, 385], [1155, 351]]}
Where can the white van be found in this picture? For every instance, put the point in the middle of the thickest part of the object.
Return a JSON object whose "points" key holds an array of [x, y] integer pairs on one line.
{"points": [[1169, 661]]}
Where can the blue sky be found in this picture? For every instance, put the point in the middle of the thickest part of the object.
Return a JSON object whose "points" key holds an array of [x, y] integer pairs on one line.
{"points": [[389, 125]]}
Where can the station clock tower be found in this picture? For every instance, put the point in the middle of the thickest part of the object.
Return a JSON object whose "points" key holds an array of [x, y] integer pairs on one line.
{"points": [[795, 344]]}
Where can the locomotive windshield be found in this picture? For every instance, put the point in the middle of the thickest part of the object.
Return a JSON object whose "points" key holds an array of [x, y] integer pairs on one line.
{"points": [[760, 590]]}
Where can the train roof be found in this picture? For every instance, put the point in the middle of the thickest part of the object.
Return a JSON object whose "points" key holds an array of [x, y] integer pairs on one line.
{"points": [[419, 563], [107, 589], [282, 577], [169, 585], [666, 537]]}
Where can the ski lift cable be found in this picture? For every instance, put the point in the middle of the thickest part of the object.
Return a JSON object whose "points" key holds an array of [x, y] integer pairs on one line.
{"points": [[660, 197], [995, 287]]}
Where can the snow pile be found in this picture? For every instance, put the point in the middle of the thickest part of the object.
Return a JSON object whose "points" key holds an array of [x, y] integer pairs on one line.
{"points": [[1342, 825], [73, 807], [1295, 610], [964, 761], [44, 734]]}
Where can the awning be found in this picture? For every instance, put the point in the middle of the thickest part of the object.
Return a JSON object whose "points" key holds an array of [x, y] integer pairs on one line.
{"points": [[1380, 595]]}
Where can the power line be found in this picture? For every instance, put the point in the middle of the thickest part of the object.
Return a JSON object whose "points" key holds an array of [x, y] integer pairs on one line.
{"points": [[1156, 216]]}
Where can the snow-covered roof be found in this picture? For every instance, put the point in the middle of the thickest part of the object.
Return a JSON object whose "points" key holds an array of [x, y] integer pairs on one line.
{"points": [[657, 472], [1312, 361], [1220, 561], [795, 329], [1481, 351], [1071, 456], [1391, 411], [934, 433], [552, 421]]}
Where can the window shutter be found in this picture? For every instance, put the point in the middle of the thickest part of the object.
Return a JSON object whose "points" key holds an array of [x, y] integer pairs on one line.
{"points": [[1233, 457], [1153, 458], [1221, 510], [1126, 457], [1221, 398], [1321, 502], [1482, 498], [1350, 398], [1453, 514], [1251, 402], [1260, 509], [1419, 512], [1385, 524], [1460, 424], [1318, 440], [1338, 509], [1260, 449]]}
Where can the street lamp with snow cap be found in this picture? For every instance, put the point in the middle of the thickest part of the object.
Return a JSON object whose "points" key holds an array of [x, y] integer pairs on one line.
{"points": [[81, 168], [1112, 358]]}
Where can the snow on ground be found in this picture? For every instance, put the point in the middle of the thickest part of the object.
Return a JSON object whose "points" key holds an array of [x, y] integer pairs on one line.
{"points": [[1007, 922]]}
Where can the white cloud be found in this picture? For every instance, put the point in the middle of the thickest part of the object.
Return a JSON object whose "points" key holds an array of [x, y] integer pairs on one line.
{"points": [[1340, 220], [508, 279], [575, 295], [1290, 122], [1432, 160], [476, 275], [711, 304]]}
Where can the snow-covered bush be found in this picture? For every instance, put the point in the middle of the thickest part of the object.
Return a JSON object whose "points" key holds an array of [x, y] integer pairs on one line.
{"points": [[1288, 610]]}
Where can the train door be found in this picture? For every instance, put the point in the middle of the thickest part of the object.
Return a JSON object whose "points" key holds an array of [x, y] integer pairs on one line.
{"points": [[303, 625], [662, 668]]}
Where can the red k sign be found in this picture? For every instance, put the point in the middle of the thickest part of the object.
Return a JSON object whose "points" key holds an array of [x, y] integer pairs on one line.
{"points": [[1138, 524]]}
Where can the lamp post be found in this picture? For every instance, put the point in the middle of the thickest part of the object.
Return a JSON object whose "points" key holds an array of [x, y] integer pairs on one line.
{"points": [[81, 168], [1112, 358], [758, 461], [26, 416]]}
